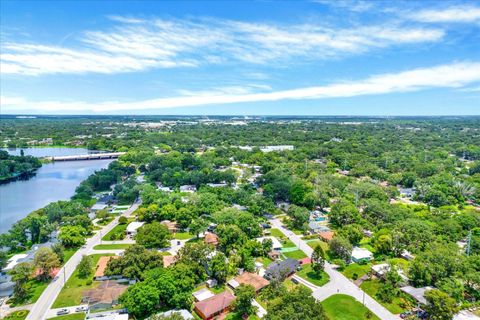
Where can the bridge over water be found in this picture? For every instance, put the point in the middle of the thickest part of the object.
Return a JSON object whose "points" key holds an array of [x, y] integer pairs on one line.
{"points": [[92, 156]]}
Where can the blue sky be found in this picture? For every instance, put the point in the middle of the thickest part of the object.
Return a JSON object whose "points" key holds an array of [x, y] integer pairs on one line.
{"points": [[316, 57]]}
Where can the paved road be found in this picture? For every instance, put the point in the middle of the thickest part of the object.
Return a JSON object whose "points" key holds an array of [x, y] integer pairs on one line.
{"points": [[338, 282], [44, 303]]}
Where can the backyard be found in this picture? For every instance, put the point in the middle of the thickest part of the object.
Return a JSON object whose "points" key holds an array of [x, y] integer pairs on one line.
{"points": [[344, 307], [116, 246], [311, 276], [354, 271], [71, 294], [398, 304]]}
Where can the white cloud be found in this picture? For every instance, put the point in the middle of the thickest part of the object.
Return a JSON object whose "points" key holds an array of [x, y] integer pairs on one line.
{"points": [[137, 45], [454, 75], [464, 14], [352, 5]]}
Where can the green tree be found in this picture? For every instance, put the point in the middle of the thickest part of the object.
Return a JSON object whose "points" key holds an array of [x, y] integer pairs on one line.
{"points": [[297, 304], [198, 226], [3, 260], [343, 213], [318, 259], [153, 235], [299, 217], [72, 236], [243, 303], [141, 299], [21, 273], [85, 267], [45, 261], [439, 305], [341, 248], [59, 251], [218, 267]]}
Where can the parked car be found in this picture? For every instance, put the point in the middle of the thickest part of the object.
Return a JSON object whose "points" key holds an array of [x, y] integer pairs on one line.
{"points": [[62, 312], [81, 309], [294, 280], [406, 314]]}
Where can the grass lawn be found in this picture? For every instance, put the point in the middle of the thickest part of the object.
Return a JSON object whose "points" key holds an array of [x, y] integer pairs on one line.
{"points": [[308, 274], [265, 261], [17, 315], [276, 233], [34, 292], [116, 246], [371, 287], [183, 235], [236, 316], [343, 307], [117, 230], [359, 270], [297, 254], [105, 221], [71, 294], [73, 316], [68, 254], [288, 244]]}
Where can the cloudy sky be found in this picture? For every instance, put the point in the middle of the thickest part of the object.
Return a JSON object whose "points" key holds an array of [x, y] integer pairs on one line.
{"points": [[319, 57]]}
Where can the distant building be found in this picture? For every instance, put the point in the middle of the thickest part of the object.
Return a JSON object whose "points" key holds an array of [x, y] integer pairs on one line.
{"points": [[171, 225], [281, 269], [407, 255], [361, 255], [217, 185], [211, 239], [214, 306], [188, 188], [133, 227], [169, 260]]}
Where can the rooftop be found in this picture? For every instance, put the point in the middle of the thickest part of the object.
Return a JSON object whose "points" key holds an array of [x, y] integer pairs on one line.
{"points": [[361, 253], [202, 294], [252, 279], [133, 226], [215, 304], [417, 293]]}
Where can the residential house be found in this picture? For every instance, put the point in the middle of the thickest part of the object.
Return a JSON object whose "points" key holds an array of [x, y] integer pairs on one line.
{"points": [[276, 245], [133, 227], [214, 306], [248, 278], [185, 314], [361, 255], [169, 260], [202, 294], [281, 269], [417, 293], [211, 239], [326, 235], [101, 267], [171, 225]]}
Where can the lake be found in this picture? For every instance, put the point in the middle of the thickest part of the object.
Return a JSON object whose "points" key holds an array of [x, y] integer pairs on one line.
{"points": [[52, 182]]}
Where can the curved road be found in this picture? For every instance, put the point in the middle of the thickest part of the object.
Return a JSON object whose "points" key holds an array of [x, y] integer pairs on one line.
{"points": [[338, 282], [44, 303]]}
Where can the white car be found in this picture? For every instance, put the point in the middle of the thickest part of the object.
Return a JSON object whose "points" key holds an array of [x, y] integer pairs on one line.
{"points": [[62, 312], [81, 309]]}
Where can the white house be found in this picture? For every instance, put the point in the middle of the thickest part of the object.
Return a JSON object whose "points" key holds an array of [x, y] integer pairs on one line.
{"points": [[276, 245], [361, 254], [132, 228], [188, 188]]}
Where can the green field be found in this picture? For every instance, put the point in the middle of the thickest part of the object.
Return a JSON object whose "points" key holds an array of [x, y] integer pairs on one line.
{"points": [[359, 270], [311, 276], [73, 316], [117, 246], [117, 233], [297, 254], [371, 287], [71, 294], [183, 235], [17, 315], [276, 233], [343, 307]]}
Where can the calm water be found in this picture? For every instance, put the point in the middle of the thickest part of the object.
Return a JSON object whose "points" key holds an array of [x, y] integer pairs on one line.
{"points": [[52, 182], [48, 152]]}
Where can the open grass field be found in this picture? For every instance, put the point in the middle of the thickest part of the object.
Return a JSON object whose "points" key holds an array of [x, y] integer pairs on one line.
{"points": [[311, 276], [276, 233], [356, 269], [297, 254], [343, 307], [71, 294], [117, 246], [117, 233], [265, 261], [371, 287]]}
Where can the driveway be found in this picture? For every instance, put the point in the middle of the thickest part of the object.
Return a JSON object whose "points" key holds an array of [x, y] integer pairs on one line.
{"points": [[338, 282]]}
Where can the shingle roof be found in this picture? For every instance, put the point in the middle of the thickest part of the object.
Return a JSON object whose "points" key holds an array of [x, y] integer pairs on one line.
{"points": [[277, 268], [215, 304]]}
